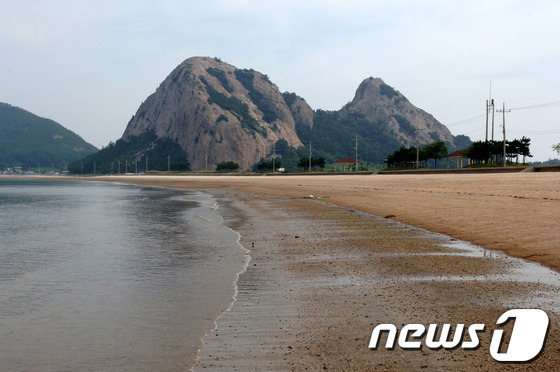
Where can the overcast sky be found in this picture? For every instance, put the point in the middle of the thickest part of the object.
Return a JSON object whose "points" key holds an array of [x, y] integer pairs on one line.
{"points": [[89, 64]]}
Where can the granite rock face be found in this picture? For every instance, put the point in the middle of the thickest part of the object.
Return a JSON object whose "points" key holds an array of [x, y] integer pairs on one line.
{"points": [[216, 113], [381, 104]]}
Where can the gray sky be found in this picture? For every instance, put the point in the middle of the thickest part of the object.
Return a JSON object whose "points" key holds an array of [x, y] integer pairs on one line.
{"points": [[89, 64]]}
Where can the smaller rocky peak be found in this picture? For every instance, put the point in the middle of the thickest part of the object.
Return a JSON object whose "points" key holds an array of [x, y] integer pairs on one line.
{"points": [[376, 89], [380, 103], [301, 111]]}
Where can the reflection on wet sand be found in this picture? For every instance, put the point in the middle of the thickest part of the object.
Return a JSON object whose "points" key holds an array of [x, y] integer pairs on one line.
{"points": [[324, 276]]}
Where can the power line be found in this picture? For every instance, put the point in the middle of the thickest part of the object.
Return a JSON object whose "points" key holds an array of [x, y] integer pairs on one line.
{"points": [[465, 121], [478, 117], [538, 132], [537, 98], [542, 105]]}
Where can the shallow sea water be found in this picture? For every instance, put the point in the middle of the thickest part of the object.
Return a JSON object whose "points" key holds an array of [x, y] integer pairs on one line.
{"points": [[102, 276]]}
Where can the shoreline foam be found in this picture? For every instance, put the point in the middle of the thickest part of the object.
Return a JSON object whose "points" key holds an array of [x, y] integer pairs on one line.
{"points": [[235, 285]]}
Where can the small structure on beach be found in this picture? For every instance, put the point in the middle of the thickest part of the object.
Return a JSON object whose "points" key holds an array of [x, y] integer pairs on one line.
{"points": [[459, 155], [344, 165]]}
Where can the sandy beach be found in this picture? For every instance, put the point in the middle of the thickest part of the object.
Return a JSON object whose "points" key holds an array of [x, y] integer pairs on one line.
{"points": [[516, 213], [325, 272]]}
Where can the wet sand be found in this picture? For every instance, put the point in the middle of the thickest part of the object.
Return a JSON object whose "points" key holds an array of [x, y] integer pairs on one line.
{"points": [[516, 212], [322, 276]]}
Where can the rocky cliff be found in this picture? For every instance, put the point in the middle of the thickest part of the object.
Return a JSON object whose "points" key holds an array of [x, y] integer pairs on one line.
{"points": [[216, 113], [379, 103]]}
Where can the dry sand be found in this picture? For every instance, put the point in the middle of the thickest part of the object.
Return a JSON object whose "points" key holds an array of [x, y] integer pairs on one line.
{"points": [[321, 276]]}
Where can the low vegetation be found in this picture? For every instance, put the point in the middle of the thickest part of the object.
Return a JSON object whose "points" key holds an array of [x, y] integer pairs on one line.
{"points": [[316, 163], [406, 157], [227, 166], [493, 151], [235, 106], [247, 78], [268, 165]]}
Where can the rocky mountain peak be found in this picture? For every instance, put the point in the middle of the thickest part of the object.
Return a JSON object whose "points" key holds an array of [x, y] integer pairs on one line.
{"points": [[217, 112], [390, 109]]}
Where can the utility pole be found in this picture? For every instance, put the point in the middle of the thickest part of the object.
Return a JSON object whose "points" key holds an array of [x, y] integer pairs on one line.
{"points": [[94, 167], [136, 166], [146, 164], [126, 166], [111, 168], [356, 152], [119, 162], [492, 108], [274, 158], [309, 156], [486, 120], [504, 130], [168, 163], [417, 149]]}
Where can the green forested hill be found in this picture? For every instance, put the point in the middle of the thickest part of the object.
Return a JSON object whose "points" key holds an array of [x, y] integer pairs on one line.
{"points": [[334, 137], [30, 141], [134, 154]]}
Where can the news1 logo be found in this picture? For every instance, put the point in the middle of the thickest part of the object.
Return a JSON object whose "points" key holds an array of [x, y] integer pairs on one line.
{"points": [[525, 343]]}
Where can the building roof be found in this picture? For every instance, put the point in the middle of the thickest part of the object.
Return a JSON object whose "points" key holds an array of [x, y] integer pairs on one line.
{"points": [[345, 161], [457, 154]]}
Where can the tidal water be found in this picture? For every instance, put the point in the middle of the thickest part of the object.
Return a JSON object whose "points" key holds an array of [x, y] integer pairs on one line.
{"points": [[102, 276]]}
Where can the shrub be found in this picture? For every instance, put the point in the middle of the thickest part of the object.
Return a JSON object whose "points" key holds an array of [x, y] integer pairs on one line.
{"points": [[227, 166]]}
